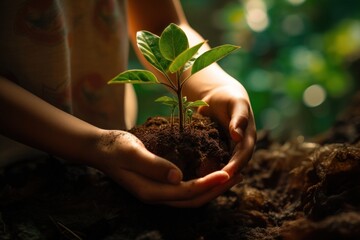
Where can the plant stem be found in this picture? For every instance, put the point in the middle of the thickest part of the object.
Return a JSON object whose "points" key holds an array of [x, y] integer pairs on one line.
{"points": [[180, 101]]}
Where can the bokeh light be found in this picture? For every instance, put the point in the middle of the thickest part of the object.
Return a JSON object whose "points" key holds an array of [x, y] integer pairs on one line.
{"points": [[256, 15], [293, 24], [314, 95], [296, 2]]}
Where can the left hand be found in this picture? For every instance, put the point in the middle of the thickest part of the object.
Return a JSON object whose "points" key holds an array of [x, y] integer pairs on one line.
{"points": [[230, 105]]}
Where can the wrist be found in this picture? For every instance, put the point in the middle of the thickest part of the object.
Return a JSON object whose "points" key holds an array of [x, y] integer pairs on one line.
{"points": [[102, 150]]}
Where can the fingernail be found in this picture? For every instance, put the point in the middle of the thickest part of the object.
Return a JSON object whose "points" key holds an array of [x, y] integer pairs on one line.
{"points": [[174, 176], [237, 136], [238, 130], [226, 178]]}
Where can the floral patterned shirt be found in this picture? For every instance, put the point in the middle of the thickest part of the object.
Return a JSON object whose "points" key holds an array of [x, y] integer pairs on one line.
{"points": [[65, 51]]}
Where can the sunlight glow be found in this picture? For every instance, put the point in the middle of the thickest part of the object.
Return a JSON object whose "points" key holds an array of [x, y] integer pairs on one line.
{"points": [[314, 95], [305, 59], [296, 2], [256, 15]]}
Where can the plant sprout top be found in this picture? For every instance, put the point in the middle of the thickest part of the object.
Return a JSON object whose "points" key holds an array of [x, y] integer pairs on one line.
{"points": [[171, 55]]}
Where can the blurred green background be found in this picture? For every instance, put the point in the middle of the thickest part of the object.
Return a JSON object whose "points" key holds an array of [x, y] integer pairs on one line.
{"points": [[299, 61]]}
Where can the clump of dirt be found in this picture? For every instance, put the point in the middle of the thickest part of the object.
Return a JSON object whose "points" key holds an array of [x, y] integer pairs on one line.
{"points": [[332, 183], [200, 149], [302, 190]]}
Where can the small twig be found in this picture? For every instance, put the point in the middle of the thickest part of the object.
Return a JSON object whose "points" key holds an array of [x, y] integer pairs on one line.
{"points": [[68, 233], [3, 223]]}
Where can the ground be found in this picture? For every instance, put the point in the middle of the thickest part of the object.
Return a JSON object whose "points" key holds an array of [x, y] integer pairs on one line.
{"points": [[299, 189]]}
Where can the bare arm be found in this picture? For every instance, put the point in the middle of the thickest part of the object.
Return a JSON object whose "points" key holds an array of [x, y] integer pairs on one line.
{"points": [[31, 120], [154, 16], [228, 100]]}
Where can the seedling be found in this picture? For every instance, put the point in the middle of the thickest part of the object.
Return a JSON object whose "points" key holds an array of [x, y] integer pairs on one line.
{"points": [[171, 55]]}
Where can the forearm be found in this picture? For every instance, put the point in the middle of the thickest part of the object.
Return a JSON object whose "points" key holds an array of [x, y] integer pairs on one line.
{"points": [[32, 121], [144, 15], [210, 78]]}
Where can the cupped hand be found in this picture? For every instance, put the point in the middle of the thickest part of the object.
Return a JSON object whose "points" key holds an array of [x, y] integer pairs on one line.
{"points": [[230, 105], [153, 179], [193, 193]]}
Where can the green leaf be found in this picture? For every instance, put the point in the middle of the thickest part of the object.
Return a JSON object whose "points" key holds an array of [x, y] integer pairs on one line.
{"points": [[135, 76], [211, 56], [184, 99], [190, 62], [197, 103], [173, 41], [184, 58], [167, 101], [148, 44]]}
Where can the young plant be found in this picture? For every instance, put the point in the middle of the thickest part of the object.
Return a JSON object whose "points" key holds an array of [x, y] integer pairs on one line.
{"points": [[171, 55]]}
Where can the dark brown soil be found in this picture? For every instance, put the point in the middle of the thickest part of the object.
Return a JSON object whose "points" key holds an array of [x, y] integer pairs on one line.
{"points": [[200, 149], [293, 190]]}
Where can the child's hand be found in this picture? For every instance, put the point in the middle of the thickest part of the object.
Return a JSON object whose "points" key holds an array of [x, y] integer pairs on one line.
{"points": [[122, 151], [153, 179], [231, 107]]}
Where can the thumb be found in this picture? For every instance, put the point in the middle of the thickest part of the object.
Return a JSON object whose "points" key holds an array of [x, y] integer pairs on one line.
{"points": [[237, 127], [239, 120], [154, 167]]}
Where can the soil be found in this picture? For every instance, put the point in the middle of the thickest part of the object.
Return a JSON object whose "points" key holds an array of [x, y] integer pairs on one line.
{"points": [[298, 189], [200, 149]]}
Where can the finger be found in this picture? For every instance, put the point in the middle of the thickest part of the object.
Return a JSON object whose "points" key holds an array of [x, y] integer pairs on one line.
{"points": [[154, 167], [207, 197], [241, 155], [190, 189], [217, 110], [136, 158], [155, 192], [233, 114], [244, 148], [239, 121]]}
